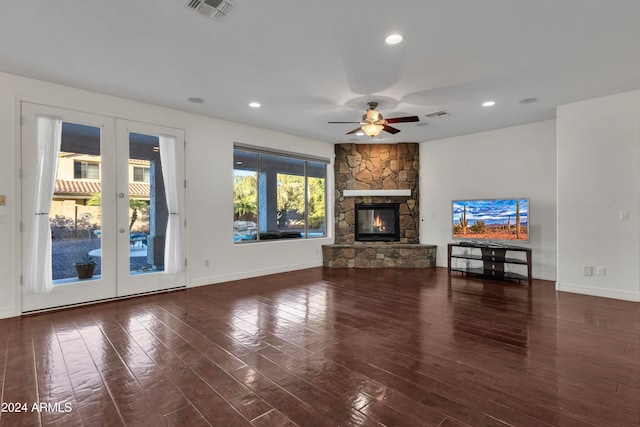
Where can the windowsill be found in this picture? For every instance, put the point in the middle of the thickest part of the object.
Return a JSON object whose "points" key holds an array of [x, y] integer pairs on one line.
{"points": [[299, 239]]}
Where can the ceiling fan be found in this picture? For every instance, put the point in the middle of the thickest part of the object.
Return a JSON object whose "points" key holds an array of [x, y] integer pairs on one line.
{"points": [[373, 123]]}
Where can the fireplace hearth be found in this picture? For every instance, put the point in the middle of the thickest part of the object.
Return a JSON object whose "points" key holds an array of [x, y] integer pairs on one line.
{"points": [[378, 222]]}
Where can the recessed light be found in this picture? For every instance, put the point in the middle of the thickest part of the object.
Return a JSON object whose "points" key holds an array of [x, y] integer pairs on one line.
{"points": [[528, 100], [489, 104], [196, 100], [393, 39], [254, 104]]}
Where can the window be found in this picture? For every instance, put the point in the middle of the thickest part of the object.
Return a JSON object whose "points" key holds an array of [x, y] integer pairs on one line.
{"points": [[141, 174], [277, 195], [86, 170]]}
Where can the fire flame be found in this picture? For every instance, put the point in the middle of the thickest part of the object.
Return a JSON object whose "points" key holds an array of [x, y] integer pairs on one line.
{"points": [[377, 223]]}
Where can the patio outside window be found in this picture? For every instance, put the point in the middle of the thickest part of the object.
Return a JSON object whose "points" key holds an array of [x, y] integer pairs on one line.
{"points": [[277, 195]]}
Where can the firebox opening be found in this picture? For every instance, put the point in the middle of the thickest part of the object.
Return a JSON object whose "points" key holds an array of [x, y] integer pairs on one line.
{"points": [[377, 222]]}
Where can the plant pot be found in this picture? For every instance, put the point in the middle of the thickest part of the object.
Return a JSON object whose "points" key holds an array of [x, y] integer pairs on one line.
{"points": [[85, 270]]}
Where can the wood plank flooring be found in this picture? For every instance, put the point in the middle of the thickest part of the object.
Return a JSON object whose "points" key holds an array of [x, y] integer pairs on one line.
{"points": [[329, 347]]}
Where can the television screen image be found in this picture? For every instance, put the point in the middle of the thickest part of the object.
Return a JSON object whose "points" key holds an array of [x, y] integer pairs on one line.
{"points": [[491, 219]]}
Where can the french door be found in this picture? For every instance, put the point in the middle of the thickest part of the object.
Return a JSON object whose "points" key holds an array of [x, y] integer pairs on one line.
{"points": [[150, 172], [109, 207]]}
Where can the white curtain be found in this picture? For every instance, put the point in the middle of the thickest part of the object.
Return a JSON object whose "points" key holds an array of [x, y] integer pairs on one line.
{"points": [[38, 278], [173, 255]]}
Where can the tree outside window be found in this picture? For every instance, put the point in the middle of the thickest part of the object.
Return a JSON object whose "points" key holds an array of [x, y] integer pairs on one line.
{"points": [[278, 196]]}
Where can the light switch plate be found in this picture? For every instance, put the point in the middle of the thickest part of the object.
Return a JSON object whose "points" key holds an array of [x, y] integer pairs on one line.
{"points": [[3, 218]]}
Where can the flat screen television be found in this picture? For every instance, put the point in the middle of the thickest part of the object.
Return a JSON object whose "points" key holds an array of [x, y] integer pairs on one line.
{"points": [[491, 219]]}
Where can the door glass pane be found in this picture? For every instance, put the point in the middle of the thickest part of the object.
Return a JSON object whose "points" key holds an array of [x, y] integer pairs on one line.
{"points": [[76, 215], [148, 211]]}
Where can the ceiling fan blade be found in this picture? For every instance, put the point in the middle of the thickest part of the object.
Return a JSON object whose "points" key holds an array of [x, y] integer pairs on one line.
{"points": [[390, 129], [354, 131], [403, 119], [345, 122]]}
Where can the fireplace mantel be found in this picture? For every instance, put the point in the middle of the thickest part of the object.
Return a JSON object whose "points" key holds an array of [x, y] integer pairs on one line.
{"points": [[374, 193]]}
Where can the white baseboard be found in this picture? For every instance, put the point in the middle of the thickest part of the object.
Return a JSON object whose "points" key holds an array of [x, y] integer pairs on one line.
{"points": [[598, 292], [6, 312], [202, 281]]}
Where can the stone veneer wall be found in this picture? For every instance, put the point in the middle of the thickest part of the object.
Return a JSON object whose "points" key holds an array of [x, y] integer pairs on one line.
{"points": [[376, 167]]}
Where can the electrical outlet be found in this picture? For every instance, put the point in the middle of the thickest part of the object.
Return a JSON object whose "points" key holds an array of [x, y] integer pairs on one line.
{"points": [[600, 270], [588, 270], [3, 219], [624, 215]]}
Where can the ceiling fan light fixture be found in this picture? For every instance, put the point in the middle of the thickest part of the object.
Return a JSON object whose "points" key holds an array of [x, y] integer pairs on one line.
{"points": [[372, 115], [372, 129], [373, 123]]}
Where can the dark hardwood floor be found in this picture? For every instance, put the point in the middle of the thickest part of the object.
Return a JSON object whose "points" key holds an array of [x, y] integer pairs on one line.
{"points": [[324, 347]]}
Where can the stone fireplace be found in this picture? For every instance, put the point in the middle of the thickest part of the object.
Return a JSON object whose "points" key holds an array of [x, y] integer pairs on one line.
{"points": [[374, 169], [377, 175]]}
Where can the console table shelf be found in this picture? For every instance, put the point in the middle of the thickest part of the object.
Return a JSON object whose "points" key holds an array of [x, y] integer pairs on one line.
{"points": [[490, 260]]}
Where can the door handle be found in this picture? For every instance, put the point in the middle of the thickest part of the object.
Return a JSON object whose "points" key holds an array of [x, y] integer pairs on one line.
{"points": [[122, 230], [121, 195]]}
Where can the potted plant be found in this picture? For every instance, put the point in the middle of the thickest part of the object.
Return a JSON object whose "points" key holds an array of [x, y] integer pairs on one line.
{"points": [[85, 267]]}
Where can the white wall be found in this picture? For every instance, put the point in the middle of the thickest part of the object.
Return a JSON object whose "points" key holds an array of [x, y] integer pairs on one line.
{"points": [[209, 196], [518, 161], [598, 177]]}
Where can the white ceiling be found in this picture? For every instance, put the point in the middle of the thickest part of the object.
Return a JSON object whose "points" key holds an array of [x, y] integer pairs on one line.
{"points": [[310, 62]]}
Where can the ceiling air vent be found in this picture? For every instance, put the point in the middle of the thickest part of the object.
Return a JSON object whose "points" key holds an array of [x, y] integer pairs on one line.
{"points": [[438, 114], [214, 9]]}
